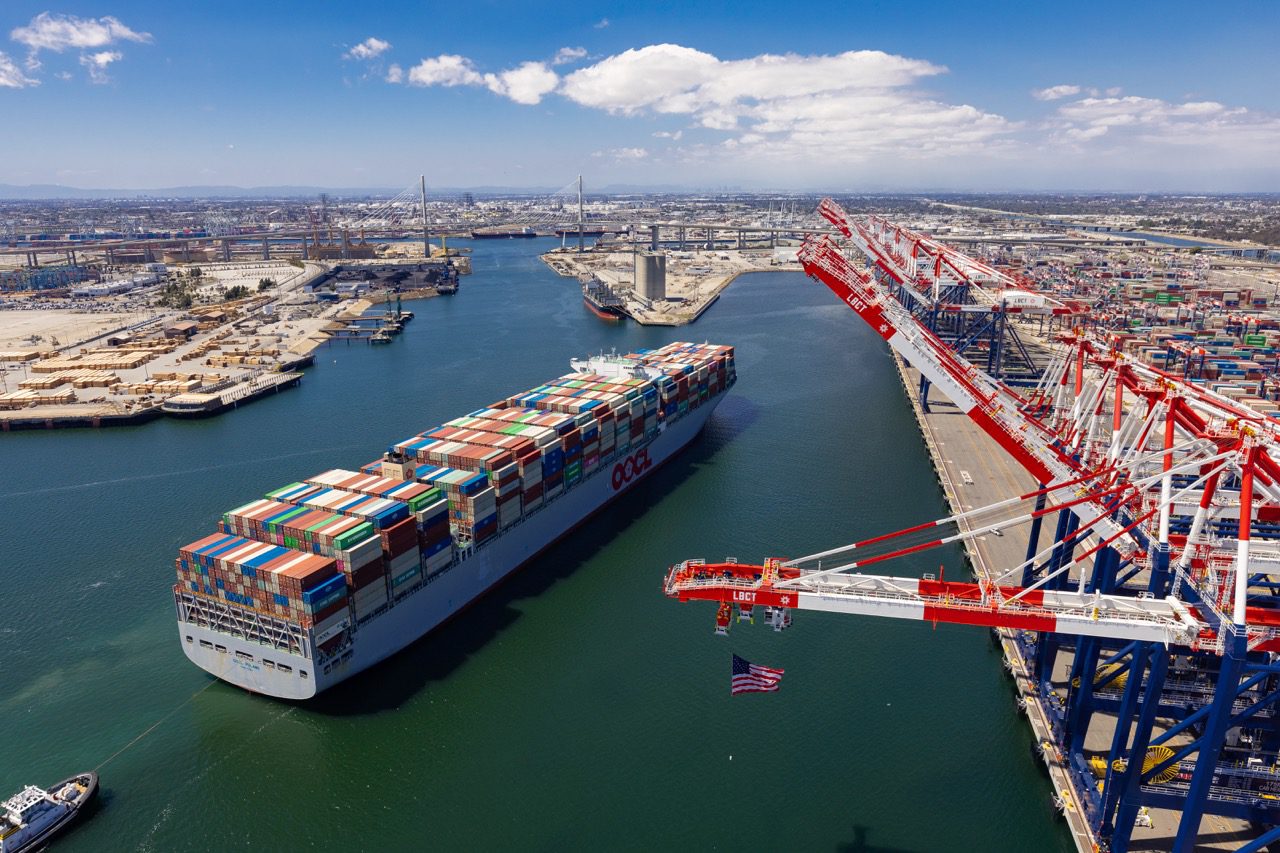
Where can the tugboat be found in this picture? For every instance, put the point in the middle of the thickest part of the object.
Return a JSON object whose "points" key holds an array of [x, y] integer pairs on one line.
{"points": [[31, 817]]}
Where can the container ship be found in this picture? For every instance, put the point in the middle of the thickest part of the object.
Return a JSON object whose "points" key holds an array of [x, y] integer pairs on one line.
{"points": [[321, 579]]}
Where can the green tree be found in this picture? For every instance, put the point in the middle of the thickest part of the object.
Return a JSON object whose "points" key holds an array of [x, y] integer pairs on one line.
{"points": [[237, 292], [266, 284]]}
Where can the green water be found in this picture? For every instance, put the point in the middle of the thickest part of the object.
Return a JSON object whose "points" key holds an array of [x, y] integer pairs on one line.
{"points": [[574, 707]]}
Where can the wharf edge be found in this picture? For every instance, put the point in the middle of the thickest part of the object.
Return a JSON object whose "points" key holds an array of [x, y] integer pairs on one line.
{"points": [[1063, 783]]}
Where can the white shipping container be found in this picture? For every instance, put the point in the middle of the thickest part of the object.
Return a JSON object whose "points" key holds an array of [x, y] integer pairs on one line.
{"points": [[361, 554], [402, 563]]}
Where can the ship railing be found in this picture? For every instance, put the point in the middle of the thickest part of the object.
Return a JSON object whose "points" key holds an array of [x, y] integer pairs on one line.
{"points": [[245, 624]]}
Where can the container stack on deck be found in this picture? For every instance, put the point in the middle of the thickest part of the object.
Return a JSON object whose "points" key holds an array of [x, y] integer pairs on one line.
{"points": [[345, 544]]}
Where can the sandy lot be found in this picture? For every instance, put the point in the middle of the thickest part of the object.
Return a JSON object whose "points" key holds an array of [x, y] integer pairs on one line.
{"points": [[17, 327]]}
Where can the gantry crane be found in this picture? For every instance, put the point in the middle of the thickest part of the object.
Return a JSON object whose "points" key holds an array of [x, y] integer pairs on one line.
{"points": [[1162, 487]]}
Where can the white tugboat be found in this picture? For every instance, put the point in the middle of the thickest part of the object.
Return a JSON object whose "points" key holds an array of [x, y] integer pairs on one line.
{"points": [[31, 817]]}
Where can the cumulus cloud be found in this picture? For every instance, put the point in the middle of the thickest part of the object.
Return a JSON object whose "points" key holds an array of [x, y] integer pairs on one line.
{"points": [[370, 48], [57, 33], [568, 54], [525, 84], [447, 69], [846, 106], [1183, 136], [97, 64], [674, 136], [395, 74], [601, 24], [670, 78], [11, 76], [850, 104], [1054, 93], [47, 31]]}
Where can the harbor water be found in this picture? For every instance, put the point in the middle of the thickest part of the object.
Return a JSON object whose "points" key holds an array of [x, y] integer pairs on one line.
{"points": [[573, 707]]}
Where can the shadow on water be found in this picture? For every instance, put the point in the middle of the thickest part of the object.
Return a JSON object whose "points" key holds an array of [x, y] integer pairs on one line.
{"points": [[437, 655], [861, 845]]}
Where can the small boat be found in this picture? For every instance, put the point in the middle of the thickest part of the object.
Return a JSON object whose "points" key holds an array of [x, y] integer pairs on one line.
{"points": [[31, 817], [382, 336]]}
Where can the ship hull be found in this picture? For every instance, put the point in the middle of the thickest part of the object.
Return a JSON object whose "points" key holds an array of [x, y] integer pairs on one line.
{"points": [[603, 313], [243, 663]]}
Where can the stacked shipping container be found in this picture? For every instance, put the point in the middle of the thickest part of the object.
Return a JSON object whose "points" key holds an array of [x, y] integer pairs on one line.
{"points": [[354, 540]]}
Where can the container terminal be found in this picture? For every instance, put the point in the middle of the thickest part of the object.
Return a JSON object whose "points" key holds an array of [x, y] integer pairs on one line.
{"points": [[1142, 632]]}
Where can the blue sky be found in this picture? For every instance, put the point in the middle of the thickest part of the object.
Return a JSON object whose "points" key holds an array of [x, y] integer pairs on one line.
{"points": [[831, 96]]}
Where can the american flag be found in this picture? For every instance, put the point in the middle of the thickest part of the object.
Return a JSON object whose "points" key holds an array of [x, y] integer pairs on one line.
{"points": [[749, 678]]}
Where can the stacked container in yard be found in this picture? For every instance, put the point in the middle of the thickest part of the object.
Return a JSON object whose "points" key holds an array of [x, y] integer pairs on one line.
{"points": [[281, 582]]}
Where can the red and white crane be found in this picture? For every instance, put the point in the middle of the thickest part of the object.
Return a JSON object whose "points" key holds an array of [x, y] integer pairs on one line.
{"points": [[1104, 435]]}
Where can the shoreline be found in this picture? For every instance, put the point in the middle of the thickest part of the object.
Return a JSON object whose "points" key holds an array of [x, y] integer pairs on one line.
{"points": [[565, 266]]}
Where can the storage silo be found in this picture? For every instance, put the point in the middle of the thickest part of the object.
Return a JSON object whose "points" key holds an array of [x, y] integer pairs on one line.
{"points": [[651, 276]]}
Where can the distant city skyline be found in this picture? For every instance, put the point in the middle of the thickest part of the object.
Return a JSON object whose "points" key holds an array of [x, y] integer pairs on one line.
{"points": [[842, 97]]}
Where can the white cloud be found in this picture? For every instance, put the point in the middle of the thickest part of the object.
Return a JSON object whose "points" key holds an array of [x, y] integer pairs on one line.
{"points": [[844, 107], [395, 74], [447, 69], [620, 155], [670, 78], [1053, 93], [525, 84], [11, 76], [1155, 130], [97, 63], [368, 49], [667, 134], [58, 32], [601, 24], [568, 54]]}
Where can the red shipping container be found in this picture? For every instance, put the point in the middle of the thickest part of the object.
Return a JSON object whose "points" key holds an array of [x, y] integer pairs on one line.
{"points": [[399, 537]]}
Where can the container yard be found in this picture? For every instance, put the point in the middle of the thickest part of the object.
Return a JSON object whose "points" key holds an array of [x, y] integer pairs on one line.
{"points": [[321, 579]]}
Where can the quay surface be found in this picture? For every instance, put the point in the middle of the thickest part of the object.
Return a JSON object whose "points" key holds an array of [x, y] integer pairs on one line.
{"points": [[974, 471]]}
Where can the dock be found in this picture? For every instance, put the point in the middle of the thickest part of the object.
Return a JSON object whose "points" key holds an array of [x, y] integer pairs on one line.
{"points": [[974, 471]]}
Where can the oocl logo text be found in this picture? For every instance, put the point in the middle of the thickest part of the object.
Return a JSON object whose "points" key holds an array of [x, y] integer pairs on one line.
{"points": [[630, 468]]}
